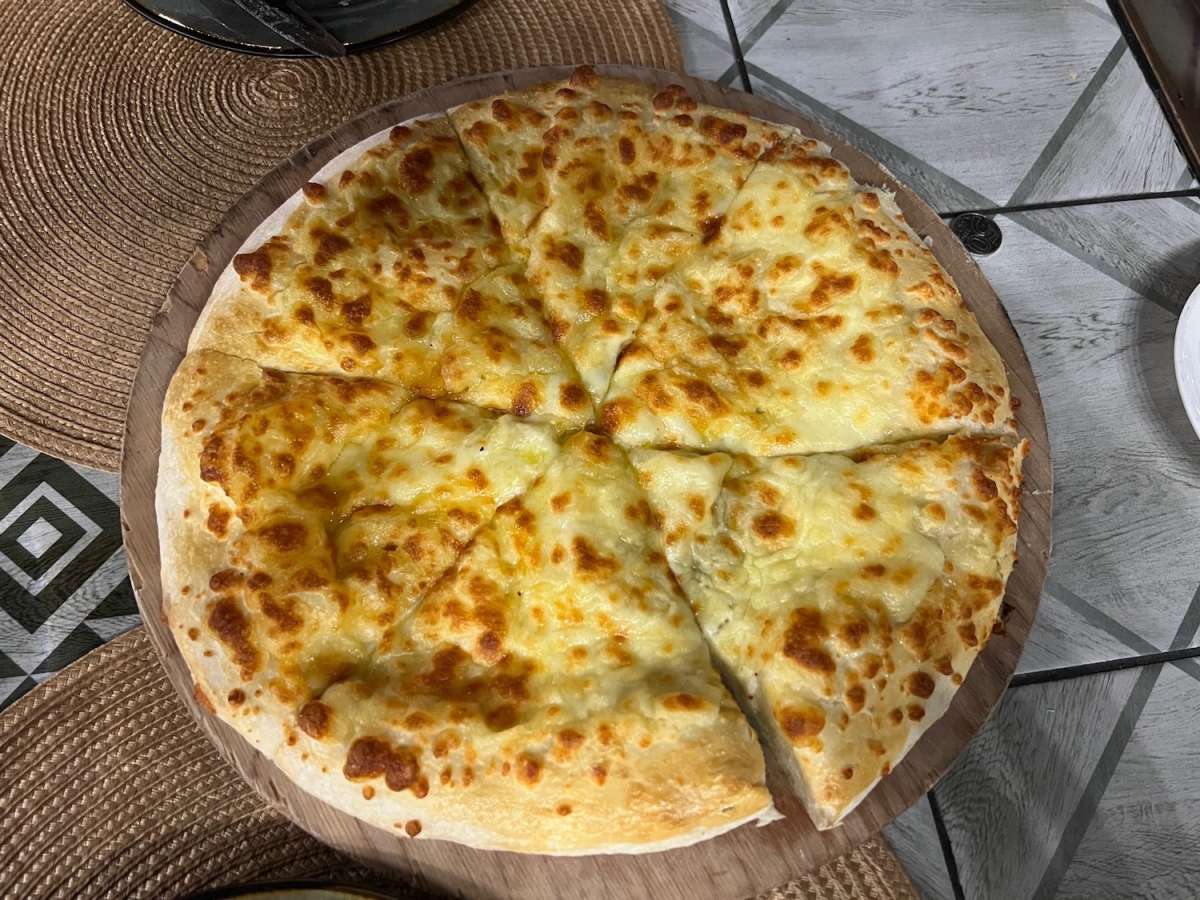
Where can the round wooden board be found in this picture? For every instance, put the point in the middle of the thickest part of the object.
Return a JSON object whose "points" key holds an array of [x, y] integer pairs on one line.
{"points": [[739, 864]]}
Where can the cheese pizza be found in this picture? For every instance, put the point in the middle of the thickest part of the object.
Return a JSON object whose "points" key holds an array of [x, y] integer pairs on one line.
{"points": [[847, 595], [538, 459]]}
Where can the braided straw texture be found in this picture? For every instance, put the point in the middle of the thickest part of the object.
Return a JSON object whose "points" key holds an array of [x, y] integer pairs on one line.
{"points": [[124, 144], [109, 789]]}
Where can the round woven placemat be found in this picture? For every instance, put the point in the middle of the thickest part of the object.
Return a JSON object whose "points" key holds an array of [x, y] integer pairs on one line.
{"points": [[123, 144], [109, 789]]}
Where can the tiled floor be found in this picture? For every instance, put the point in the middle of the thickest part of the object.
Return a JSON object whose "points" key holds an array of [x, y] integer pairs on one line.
{"points": [[1084, 783]]}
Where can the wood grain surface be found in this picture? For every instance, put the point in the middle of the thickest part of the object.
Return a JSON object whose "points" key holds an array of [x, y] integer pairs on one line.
{"points": [[739, 864]]}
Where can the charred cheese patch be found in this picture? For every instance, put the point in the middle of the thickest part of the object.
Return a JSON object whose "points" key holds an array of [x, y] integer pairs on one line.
{"points": [[390, 271], [839, 589], [816, 321]]}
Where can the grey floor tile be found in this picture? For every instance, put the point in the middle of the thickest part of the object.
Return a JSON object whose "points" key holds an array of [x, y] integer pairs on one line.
{"points": [[1126, 464], [1152, 246], [914, 838], [1064, 635], [706, 13], [934, 186], [1144, 839], [1008, 799], [748, 14], [936, 80], [1121, 144], [703, 37]]}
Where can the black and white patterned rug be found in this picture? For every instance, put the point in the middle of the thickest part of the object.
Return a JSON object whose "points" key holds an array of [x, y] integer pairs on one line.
{"points": [[64, 586]]}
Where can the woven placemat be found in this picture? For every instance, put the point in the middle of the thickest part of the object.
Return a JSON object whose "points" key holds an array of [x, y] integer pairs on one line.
{"points": [[123, 144], [109, 789]]}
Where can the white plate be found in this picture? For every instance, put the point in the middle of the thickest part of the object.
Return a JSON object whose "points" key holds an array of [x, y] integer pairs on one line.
{"points": [[1187, 358]]}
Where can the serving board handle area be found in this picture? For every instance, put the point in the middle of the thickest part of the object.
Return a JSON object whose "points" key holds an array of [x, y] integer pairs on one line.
{"points": [[742, 863]]}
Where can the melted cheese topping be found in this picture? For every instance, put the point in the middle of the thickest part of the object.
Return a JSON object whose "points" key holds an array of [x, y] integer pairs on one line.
{"points": [[463, 619], [557, 649], [816, 321], [843, 592], [341, 503], [604, 185], [396, 269]]}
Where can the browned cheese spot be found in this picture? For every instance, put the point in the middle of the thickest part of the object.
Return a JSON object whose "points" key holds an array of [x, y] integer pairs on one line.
{"points": [[570, 739], [919, 684], [572, 396], [231, 627], [595, 221], [710, 229], [854, 632], [589, 559], [771, 525], [356, 311], [721, 130], [371, 757], [626, 149], [615, 413], [529, 770], [254, 268], [864, 512], [802, 724], [329, 245], [526, 399], [415, 170], [804, 639], [702, 394], [412, 827], [863, 348], [570, 255], [225, 580], [217, 521], [314, 719], [856, 697], [285, 536]]}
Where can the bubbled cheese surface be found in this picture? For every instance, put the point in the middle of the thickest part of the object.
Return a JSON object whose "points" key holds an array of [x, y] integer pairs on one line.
{"points": [[521, 423]]}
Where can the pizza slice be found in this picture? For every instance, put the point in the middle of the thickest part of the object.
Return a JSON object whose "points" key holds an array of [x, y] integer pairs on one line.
{"points": [[385, 268], [815, 321], [847, 595], [303, 516], [551, 694], [629, 179]]}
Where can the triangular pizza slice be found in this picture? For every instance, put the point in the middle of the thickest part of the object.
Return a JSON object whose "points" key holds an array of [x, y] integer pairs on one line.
{"points": [[815, 321], [615, 181], [301, 517], [551, 694], [847, 595], [387, 266]]}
